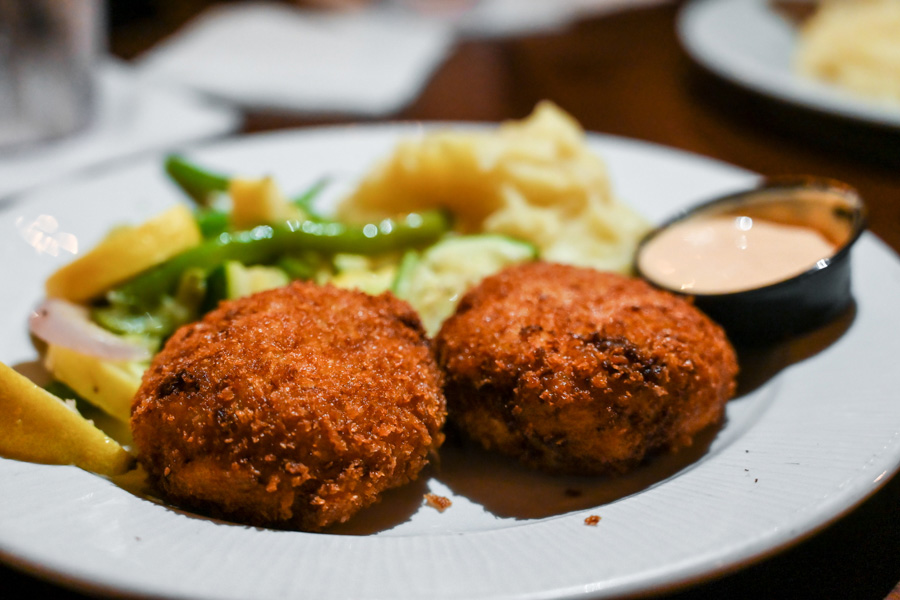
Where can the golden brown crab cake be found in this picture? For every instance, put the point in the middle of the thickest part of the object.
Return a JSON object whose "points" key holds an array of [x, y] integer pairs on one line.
{"points": [[292, 408], [574, 370]]}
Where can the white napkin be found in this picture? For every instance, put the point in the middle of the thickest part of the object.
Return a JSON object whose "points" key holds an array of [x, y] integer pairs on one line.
{"points": [[130, 118], [370, 62]]}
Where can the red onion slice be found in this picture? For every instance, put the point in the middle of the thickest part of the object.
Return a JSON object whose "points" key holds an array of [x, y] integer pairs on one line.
{"points": [[63, 323]]}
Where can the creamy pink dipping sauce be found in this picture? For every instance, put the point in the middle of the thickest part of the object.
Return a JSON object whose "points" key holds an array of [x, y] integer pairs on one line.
{"points": [[727, 253]]}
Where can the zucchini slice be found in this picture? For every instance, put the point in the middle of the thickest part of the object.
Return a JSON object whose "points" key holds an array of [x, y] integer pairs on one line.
{"points": [[433, 281]]}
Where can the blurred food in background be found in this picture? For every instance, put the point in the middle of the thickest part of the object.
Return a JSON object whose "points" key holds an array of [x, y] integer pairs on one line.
{"points": [[853, 44]]}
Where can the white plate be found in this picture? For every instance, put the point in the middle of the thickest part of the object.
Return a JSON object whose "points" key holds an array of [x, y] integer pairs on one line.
{"points": [[816, 434], [749, 44]]}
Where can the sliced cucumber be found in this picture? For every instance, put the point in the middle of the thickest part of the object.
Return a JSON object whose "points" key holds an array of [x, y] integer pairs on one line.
{"points": [[404, 277], [365, 273], [344, 262], [372, 282], [434, 281], [234, 280]]}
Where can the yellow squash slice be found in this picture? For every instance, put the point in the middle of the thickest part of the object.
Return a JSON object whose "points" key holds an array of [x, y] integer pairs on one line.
{"points": [[108, 385], [36, 426], [126, 252], [258, 202]]}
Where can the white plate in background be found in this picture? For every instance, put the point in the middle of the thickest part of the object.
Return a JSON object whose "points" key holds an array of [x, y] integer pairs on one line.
{"points": [[749, 44]]}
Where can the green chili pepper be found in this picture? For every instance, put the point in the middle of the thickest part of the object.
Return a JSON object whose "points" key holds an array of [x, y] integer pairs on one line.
{"points": [[267, 243]]}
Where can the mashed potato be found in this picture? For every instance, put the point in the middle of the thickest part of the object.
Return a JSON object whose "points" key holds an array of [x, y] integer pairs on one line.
{"points": [[534, 179], [854, 44]]}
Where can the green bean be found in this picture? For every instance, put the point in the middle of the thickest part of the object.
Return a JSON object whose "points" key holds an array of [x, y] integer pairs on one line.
{"points": [[266, 243], [303, 266], [212, 221], [197, 183], [304, 201], [201, 185]]}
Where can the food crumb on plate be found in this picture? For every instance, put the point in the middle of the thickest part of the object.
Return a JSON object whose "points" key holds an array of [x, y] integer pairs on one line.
{"points": [[592, 520], [441, 503]]}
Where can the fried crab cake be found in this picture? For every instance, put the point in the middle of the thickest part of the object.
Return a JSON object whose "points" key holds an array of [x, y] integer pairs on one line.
{"points": [[292, 408], [576, 371]]}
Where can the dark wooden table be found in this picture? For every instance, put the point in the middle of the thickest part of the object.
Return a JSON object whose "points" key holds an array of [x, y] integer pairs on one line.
{"points": [[626, 74]]}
